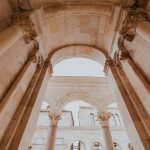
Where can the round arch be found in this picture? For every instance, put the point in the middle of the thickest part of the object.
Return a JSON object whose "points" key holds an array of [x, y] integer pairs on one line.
{"points": [[77, 50], [84, 96]]}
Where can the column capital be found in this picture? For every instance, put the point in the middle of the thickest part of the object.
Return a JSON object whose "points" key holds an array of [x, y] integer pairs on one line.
{"points": [[55, 117], [36, 58], [108, 63], [103, 117], [119, 56], [131, 21], [24, 21]]}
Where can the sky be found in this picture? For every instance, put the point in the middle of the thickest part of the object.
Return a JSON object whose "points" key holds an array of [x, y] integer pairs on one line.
{"points": [[78, 67]]}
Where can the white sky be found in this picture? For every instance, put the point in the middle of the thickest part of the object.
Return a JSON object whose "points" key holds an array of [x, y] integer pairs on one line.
{"points": [[78, 67]]}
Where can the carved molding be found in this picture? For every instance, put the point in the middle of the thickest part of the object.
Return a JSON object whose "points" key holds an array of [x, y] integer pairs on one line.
{"points": [[24, 21], [36, 58], [22, 18], [50, 67], [119, 56], [133, 18], [108, 63]]}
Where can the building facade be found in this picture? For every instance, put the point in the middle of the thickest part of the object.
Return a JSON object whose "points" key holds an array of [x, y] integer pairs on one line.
{"points": [[85, 136]]}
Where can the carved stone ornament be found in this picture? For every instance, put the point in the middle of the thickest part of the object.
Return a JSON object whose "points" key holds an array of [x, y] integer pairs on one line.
{"points": [[24, 21], [103, 117], [108, 63], [36, 58], [119, 56], [133, 18], [22, 18], [21, 5], [54, 118]]}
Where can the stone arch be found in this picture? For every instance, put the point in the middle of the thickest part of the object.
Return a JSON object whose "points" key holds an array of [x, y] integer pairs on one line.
{"points": [[70, 97], [78, 50]]}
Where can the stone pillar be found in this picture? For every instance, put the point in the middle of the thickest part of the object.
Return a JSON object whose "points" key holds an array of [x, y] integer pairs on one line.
{"points": [[104, 120], [54, 117], [127, 100], [21, 127]]}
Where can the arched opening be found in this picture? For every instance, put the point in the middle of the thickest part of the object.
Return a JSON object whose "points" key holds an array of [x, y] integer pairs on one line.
{"points": [[77, 145], [78, 51], [97, 146], [117, 146]]}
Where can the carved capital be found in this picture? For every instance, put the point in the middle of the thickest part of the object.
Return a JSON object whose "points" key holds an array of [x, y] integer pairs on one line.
{"points": [[133, 18], [23, 20], [108, 63], [119, 56], [37, 58], [103, 117], [54, 118]]}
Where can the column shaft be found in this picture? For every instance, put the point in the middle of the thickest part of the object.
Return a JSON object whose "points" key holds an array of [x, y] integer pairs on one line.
{"points": [[120, 80], [140, 91], [52, 137], [14, 95], [54, 118], [15, 131], [8, 37], [107, 138]]}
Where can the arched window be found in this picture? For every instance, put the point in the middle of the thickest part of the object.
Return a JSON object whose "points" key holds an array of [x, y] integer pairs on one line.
{"points": [[130, 146], [115, 120], [116, 146], [92, 120], [97, 146]]}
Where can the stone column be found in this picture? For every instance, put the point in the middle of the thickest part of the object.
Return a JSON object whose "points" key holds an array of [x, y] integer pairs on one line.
{"points": [[8, 37], [127, 100], [54, 117], [104, 120]]}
